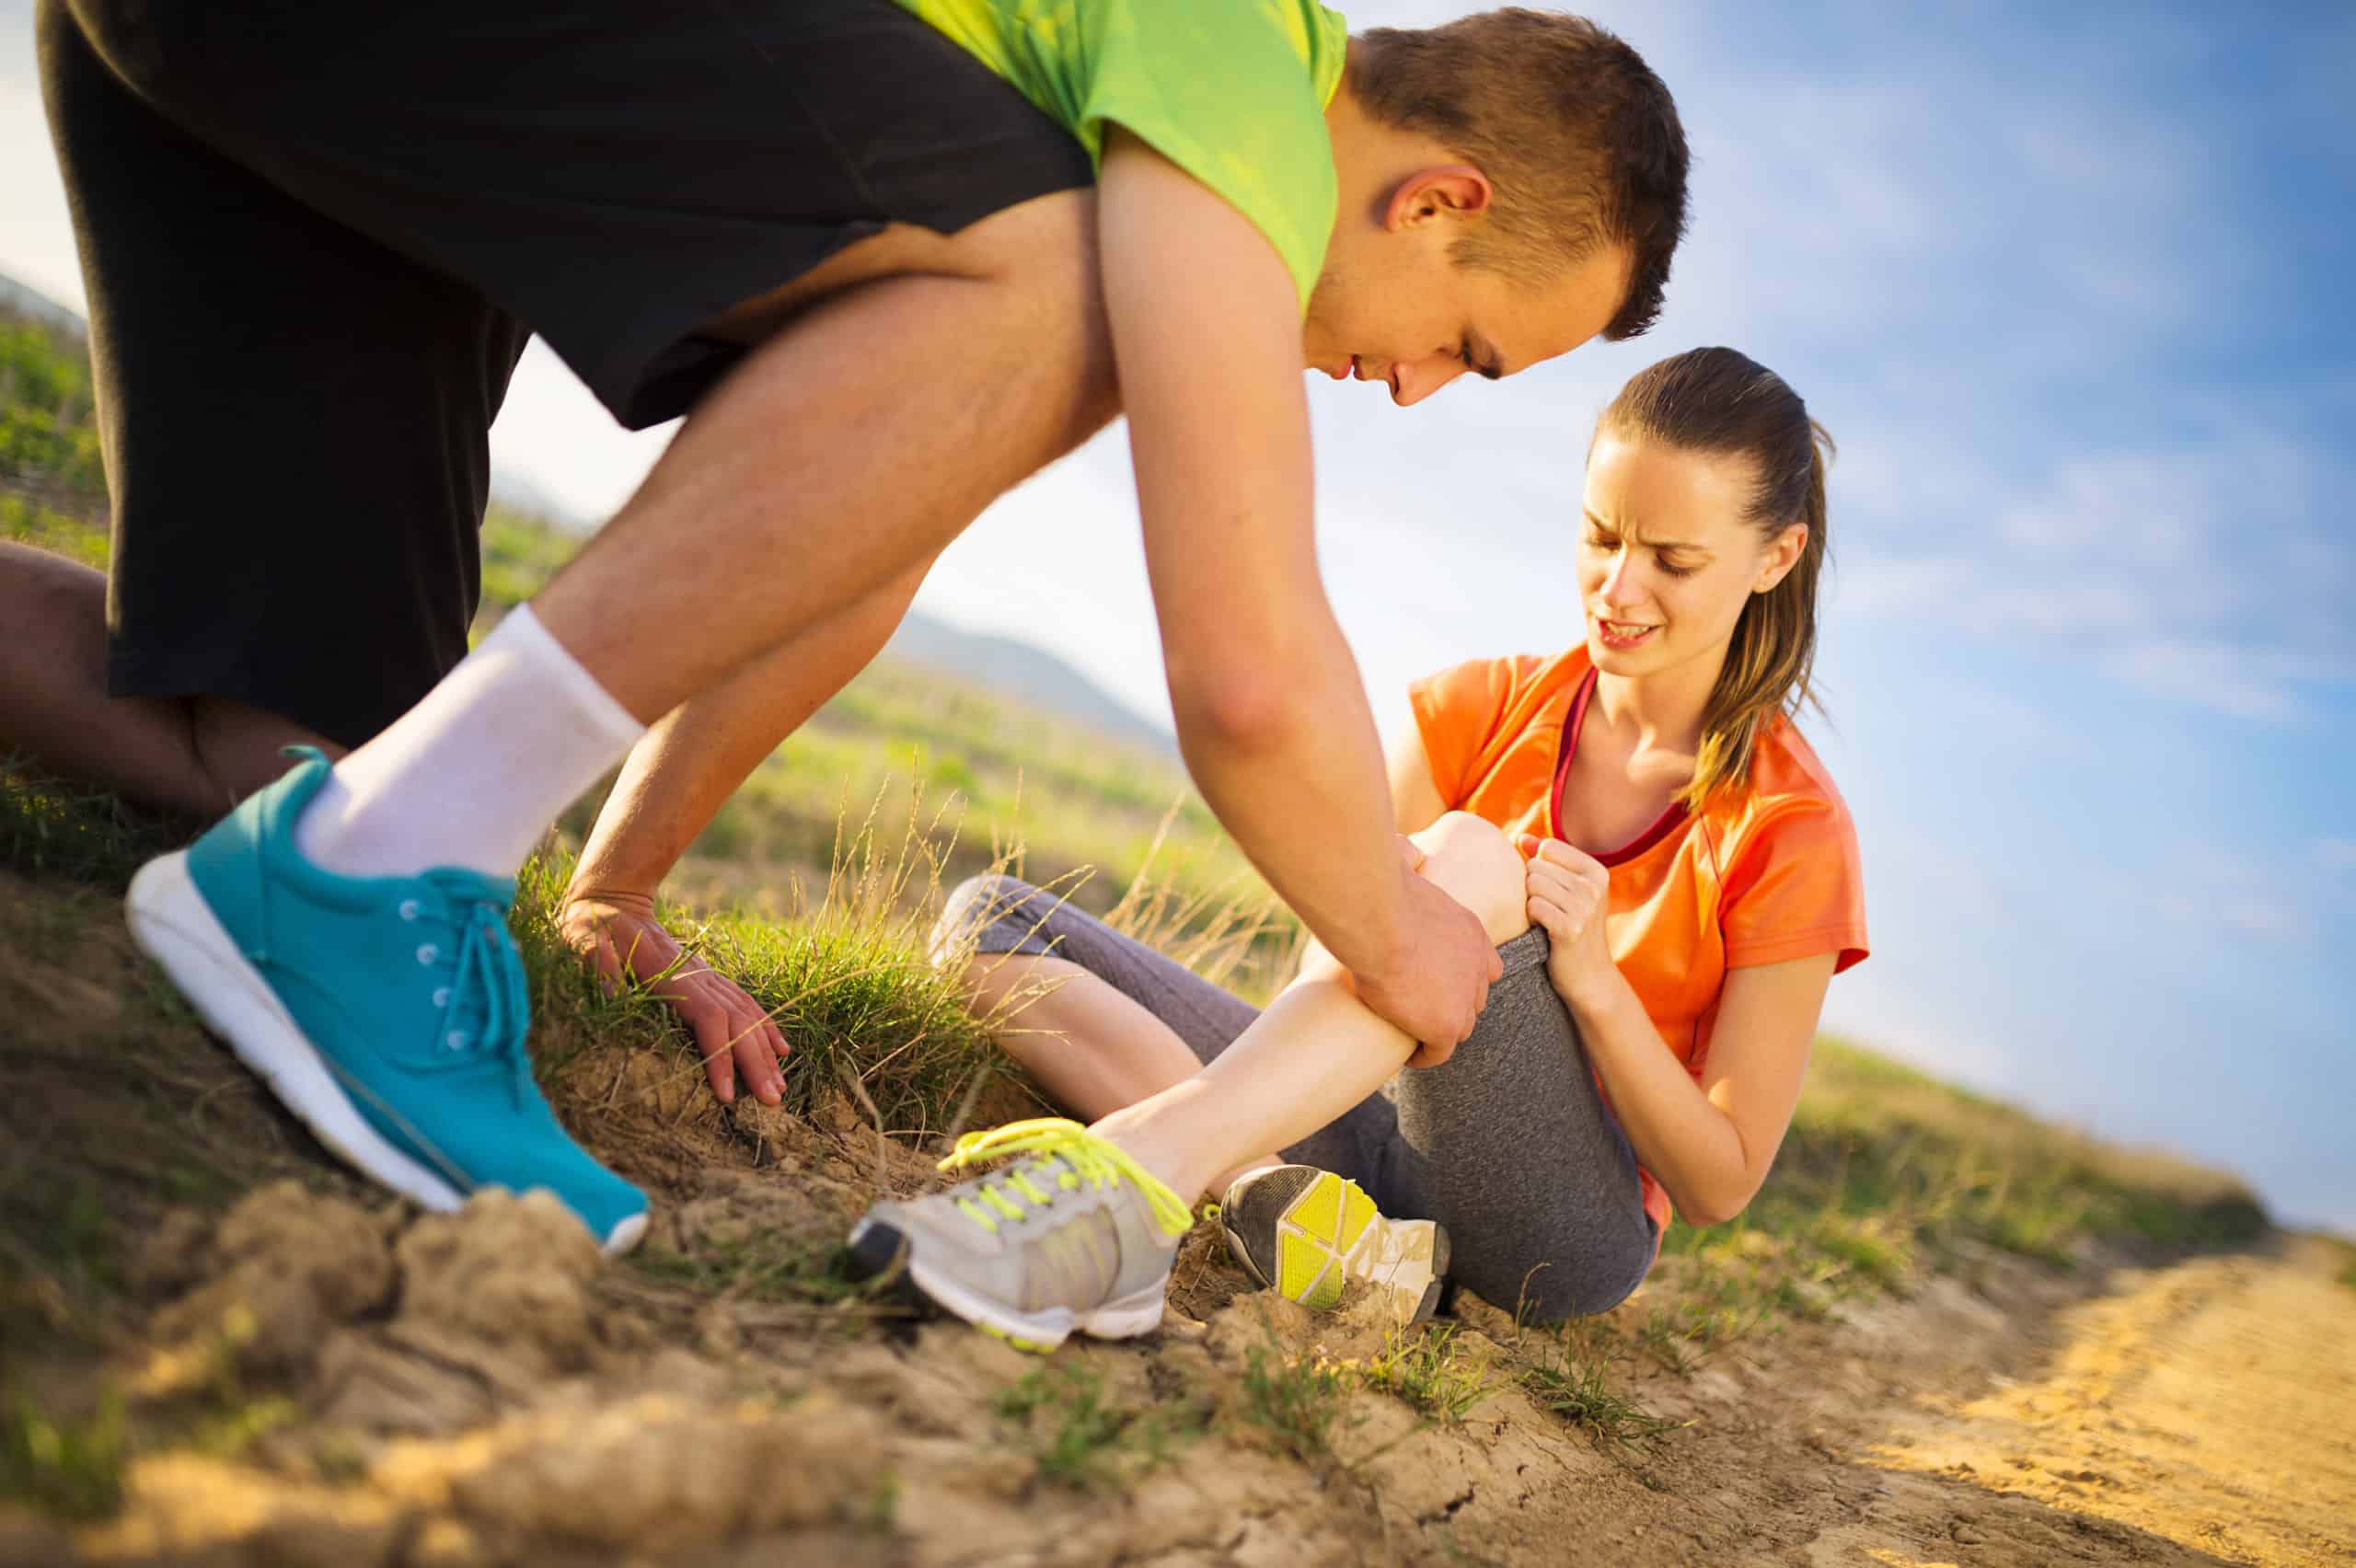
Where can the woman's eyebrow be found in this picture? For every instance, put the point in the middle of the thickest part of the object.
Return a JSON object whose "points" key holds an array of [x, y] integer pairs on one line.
{"points": [[1664, 545]]}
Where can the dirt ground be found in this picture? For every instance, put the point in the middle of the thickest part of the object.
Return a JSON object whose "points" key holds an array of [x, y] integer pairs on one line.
{"points": [[2211, 1404], [348, 1384]]}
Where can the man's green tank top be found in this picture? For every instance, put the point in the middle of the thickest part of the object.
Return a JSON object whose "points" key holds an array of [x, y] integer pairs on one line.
{"points": [[1232, 91]]}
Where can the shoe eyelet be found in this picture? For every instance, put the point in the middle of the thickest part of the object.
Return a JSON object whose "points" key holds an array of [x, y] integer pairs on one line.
{"points": [[441, 996], [409, 909], [428, 953], [457, 1042]]}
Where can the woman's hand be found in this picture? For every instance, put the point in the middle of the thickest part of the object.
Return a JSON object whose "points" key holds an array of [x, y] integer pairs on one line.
{"points": [[1569, 894], [618, 935]]}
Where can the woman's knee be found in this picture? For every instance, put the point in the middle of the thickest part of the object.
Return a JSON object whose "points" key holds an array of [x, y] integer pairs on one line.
{"points": [[988, 914], [1473, 860]]}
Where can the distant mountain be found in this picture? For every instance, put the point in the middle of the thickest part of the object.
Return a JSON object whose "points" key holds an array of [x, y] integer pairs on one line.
{"points": [[509, 488], [1039, 678], [31, 302]]}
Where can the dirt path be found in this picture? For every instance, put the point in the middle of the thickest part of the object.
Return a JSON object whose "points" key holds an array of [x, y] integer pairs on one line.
{"points": [[2195, 1413], [2211, 1405]]}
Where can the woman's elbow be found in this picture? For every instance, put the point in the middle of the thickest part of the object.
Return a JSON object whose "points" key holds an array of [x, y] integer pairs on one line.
{"points": [[1707, 1208], [1701, 1216]]}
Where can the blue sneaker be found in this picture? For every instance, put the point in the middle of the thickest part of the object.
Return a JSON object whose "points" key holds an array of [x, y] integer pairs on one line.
{"points": [[389, 1013]]}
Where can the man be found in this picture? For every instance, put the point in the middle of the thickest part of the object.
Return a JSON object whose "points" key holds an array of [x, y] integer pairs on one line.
{"points": [[862, 245]]}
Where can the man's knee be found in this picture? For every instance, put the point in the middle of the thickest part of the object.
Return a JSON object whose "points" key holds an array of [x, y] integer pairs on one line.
{"points": [[240, 748], [1473, 860]]}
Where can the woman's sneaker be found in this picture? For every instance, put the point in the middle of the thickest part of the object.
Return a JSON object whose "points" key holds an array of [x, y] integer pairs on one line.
{"points": [[1305, 1233], [1078, 1238], [388, 1013]]}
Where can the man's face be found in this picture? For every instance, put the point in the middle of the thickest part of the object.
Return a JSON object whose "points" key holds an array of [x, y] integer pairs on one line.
{"points": [[1394, 308]]}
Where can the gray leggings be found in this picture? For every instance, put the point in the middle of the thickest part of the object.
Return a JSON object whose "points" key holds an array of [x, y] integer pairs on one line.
{"points": [[1506, 1143]]}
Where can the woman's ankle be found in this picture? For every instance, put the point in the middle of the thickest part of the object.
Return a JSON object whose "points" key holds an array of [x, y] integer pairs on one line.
{"points": [[1224, 1183]]}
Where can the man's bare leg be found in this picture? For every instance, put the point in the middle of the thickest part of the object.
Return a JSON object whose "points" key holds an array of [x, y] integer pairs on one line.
{"points": [[844, 452], [197, 756]]}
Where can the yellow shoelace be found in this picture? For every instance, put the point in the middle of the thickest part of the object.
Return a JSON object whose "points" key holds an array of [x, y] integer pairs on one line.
{"points": [[1083, 1157]]}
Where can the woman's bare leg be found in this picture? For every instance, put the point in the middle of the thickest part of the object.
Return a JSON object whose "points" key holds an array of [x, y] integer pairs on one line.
{"points": [[1318, 1050], [1094, 1050]]}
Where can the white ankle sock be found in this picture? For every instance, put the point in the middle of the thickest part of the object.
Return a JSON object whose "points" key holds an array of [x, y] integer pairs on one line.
{"points": [[474, 774]]}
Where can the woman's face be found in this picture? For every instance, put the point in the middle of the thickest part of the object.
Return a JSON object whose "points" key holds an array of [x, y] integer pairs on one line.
{"points": [[1665, 560]]}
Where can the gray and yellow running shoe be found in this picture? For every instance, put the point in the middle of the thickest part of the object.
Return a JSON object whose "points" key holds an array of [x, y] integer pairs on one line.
{"points": [[1305, 1233], [1077, 1239]]}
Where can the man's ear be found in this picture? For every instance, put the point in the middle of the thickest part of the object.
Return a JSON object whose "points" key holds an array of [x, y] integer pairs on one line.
{"points": [[1446, 190]]}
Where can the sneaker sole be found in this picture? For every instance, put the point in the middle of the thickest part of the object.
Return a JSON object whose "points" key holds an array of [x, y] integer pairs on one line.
{"points": [[1039, 1333], [172, 924], [1333, 1233]]}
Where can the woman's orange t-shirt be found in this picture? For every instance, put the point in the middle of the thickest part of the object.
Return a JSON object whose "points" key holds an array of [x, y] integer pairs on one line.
{"points": [[1760, 875]]}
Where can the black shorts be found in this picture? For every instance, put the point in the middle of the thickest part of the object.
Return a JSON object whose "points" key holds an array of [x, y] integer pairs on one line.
{"points": [[316, 239]]}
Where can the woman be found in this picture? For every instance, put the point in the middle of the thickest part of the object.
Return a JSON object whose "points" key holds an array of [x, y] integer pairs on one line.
{"points": [[1672, 877]]}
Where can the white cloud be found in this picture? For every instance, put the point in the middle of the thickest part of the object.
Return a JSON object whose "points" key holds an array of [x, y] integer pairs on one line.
{"points": [[2215, 888], [1894, 587], [2261, 919], [2209, 572], [2259, 685], [2266, 921]]}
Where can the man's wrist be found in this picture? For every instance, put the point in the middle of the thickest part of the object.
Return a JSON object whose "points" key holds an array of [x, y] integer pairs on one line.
{"points": [[635, 901], [1384, 944]]}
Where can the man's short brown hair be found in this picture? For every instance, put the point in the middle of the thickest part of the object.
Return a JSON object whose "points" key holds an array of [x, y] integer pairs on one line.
{"points": [[1578, 138]]}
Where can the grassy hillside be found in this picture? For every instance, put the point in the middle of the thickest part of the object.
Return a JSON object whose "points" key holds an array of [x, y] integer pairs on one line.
{"points": [[53, 488]]}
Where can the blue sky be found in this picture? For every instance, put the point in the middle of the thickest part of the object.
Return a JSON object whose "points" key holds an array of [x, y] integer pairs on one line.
{"points": [[2071, 287]]}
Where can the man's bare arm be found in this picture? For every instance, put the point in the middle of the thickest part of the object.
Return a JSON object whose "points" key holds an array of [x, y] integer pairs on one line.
{"points": [[673, 785], [1272, 716], [1415, 800]]}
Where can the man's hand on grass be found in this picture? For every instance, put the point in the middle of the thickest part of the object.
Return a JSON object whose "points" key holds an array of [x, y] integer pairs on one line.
{"points": [[618, 937]]}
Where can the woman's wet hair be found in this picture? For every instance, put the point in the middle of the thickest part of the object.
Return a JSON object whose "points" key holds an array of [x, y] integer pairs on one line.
{"points": [[1726, 404]]}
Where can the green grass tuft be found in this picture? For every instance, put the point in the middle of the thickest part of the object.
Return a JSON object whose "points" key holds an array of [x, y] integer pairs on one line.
{"points": [[1082, 1438], [1294, 1402], [1432, 1369], [48, 828], [71, 1469], [1576, 1388], [763, 1264], [848, 986]]}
